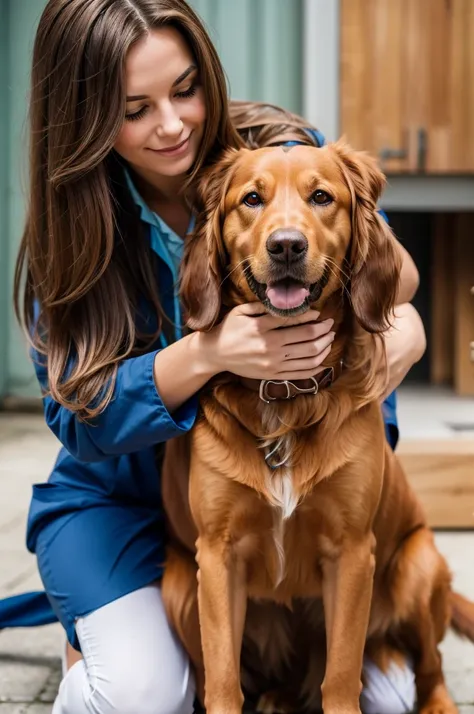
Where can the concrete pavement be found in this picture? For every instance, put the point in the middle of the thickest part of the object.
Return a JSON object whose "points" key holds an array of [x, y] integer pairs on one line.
{"points": [[29, 659]]}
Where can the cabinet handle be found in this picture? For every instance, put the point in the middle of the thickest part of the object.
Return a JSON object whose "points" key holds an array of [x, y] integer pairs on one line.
{"points": [[386, 153], [421, 149]]}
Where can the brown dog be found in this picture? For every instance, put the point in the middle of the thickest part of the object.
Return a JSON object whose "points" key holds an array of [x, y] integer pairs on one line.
{"points": [[298, 501]]}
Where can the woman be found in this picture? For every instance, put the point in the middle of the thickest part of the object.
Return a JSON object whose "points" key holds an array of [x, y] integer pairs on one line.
{"points": [[128, 103]]}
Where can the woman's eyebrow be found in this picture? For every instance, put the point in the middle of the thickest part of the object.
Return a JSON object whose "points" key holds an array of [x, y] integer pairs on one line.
{"points": [[183, 75], [178, 80]]}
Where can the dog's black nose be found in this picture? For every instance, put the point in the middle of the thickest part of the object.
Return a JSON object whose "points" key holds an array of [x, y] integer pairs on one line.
{"points": [[287, 245]]}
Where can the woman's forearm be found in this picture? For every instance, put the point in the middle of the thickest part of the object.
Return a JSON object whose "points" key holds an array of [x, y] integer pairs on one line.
{"points": [[409, 276], [182, 369]]}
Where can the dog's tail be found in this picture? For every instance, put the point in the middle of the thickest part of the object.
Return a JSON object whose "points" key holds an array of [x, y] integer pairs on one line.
{"points": [[462, 616]]}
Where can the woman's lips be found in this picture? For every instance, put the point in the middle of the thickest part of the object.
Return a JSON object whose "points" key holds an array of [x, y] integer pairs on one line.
{"points": [[174, 150]]}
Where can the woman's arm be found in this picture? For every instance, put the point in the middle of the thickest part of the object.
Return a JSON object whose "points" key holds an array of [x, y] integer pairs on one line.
{"points": [[405, 344], [405, 341], [153, 398], [136, 417], [409, 276]]}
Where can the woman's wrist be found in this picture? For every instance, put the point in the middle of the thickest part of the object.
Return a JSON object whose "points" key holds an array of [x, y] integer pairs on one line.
{"points": [[183, 368], [204, 355]]}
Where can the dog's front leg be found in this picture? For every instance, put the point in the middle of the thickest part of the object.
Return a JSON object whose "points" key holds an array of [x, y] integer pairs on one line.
{"points": [[347, 595], [222, 609]]}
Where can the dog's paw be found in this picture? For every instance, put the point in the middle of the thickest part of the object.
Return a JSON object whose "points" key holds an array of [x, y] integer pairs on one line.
{"points": [[275, 703]]}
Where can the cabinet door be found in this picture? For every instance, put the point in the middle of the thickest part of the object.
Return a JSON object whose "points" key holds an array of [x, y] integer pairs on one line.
{"points": [[464, 304], [407, 82]]}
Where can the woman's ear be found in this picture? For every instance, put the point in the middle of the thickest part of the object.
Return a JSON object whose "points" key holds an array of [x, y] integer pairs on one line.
{"points": [[205, 258], [374, 260]]}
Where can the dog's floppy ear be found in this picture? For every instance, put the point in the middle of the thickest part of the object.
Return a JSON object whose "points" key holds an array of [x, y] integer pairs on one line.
{"points": [[374, 261], [205, 258]]}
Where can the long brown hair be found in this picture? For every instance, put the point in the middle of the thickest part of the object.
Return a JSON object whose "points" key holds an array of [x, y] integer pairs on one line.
{"points": [[79, 276], [80, 266]]}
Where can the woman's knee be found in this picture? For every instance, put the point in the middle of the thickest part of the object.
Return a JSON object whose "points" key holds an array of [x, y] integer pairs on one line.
{"points": [[133, 661], [391, 692], [141, 694]]}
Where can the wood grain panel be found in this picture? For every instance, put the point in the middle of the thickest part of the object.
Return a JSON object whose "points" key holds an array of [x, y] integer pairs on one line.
{"points": [[442, 475], [442, 300], [406, 66], [464, 304]]}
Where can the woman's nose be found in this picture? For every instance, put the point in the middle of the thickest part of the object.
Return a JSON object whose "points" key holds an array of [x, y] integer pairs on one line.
{"points": [[170, 124]]}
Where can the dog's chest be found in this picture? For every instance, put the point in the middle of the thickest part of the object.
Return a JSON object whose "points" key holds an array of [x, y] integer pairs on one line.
{"points": [[280, 492], [286, 546], [283, 554]]}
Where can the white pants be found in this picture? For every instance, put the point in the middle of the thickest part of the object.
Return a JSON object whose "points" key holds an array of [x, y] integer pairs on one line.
{"points": [[133, 664]]}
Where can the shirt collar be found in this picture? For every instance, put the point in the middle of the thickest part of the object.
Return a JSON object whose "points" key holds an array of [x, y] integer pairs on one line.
{"points": [[146, 214]]}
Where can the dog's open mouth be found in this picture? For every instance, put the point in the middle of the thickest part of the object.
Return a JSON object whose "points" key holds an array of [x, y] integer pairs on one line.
{"points": [[286, 296]]}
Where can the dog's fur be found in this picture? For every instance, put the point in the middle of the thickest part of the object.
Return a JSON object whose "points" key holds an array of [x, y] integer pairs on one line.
{"points": [[303, 567]]}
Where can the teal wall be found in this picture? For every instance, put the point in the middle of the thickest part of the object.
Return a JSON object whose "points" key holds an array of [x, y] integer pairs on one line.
{"points": [[23, 16], [4, 233], [260, 43]]}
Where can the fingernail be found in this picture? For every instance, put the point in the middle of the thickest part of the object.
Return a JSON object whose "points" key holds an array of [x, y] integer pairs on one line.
{"points": [[332, 335], [329, 322]]}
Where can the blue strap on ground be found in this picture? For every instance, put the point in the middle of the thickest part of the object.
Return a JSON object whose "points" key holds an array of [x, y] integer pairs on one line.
{"points": [[26, 610]]}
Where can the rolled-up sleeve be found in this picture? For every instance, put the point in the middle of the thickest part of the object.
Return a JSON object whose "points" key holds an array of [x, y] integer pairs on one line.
{"points": [[135, 418]]}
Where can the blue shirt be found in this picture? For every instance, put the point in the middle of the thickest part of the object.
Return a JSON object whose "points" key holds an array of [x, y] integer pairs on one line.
{"points": [[114, 456]]}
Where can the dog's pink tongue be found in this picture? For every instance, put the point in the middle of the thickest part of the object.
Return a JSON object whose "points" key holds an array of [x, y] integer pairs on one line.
{"points": [[287, 297]]}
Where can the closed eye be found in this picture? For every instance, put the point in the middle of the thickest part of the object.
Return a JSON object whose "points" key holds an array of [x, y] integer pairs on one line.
{"points": [[187, 92], [136, 115]]}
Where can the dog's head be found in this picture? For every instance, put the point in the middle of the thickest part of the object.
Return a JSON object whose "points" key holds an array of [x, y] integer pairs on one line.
{"points": [[290, 227]]}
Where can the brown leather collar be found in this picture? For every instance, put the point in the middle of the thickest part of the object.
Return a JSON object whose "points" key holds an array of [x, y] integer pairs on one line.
{"points": [[271, 390]]}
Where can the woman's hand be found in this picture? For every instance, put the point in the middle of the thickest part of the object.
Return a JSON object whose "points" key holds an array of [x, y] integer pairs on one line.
{"points": [[251, 343]]}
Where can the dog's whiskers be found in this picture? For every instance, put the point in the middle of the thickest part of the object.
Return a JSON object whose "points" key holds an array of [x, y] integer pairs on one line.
{"points": [[338, 278], [236, 267], [339, 267]]}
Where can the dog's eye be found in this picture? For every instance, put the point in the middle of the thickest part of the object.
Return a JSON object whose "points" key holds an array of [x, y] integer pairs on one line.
{"points": [[321, 198], [252, 199]]}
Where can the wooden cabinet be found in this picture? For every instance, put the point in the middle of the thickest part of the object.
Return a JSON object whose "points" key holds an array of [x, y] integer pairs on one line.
{"points": [[452, 302], [407, 83]]}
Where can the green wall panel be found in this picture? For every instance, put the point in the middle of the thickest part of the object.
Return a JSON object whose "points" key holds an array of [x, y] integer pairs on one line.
{"points": [[22, 21], [4, 243], [260, 44]]}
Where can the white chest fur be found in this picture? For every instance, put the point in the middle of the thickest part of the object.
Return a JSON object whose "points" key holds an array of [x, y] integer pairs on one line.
{"points": [[280, 486]]}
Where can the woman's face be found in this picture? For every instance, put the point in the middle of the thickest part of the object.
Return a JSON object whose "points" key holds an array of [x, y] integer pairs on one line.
{"points": [[165, 114]]}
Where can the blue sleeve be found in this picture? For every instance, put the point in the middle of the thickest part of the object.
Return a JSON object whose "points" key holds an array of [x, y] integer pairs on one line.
{"points": [[389, 411], [135, 418], [389, 407]]}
